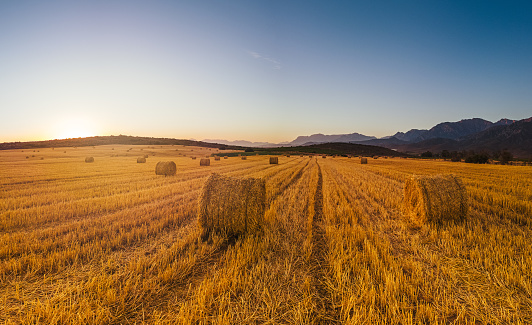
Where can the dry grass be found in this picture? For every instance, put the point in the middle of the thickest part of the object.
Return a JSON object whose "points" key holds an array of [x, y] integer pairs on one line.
{"points": [[117, 245]]}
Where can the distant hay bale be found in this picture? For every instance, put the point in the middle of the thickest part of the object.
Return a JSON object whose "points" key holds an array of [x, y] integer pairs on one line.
{"points": [[232, 206], [324, 156], [288, 156], [435, 198], [205, 162], [274, 160], [145, 156], [363, 160], [166, 168], [244, 157], [89, 159], [42, 158], [225, 157], [193, 158], [141, 160], [216, 158]]}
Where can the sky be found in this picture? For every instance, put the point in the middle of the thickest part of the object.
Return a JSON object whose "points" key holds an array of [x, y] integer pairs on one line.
{"points": [[259, 70]]}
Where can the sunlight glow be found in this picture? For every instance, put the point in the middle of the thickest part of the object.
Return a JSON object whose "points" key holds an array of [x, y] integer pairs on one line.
{"points": [[74, 128]]}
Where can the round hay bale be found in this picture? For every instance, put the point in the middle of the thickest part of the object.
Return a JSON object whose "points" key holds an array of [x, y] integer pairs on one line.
{"points": [[89, 159], [363, 160], [244, 157], [324, 156], [225, 157], [232, 206], [141, 160], [216, 158], [274, 160], [166, 168], [145, 156], [193, 158], [435, 198], [205, 162], [288, 156]]}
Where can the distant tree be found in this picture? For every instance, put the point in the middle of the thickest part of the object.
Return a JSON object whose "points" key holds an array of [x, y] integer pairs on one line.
{"points": [[426, 154], [477, 159], [249, 150], [506, 156], [445, 154]]}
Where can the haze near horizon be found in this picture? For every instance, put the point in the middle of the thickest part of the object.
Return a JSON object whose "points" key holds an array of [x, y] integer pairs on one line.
{"points": [[259, 71]]}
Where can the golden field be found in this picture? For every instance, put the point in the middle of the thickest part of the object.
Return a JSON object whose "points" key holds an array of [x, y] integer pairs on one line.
{"points": [[110, 242]]}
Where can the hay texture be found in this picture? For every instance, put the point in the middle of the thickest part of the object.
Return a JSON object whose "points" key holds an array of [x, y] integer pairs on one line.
{"points": [[89, 159], [205, 162], [141, 160], [363, 160], [166, 168], [274, 160], [435, 198], [232, 206]]}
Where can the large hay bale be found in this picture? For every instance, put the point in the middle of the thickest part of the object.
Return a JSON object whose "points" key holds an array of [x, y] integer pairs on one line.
{"points": [[274, 160], [89, 159], [435, 198], [205, 162], [363, 160], [141, 160], [232, 206], [166, 168], [216, 158]]}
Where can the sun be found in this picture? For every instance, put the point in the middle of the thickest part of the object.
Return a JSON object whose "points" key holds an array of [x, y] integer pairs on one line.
{"points": [[74, 128]]}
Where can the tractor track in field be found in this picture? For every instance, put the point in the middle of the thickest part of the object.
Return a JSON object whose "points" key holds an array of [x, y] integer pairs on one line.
{"points": [[318, 258]]}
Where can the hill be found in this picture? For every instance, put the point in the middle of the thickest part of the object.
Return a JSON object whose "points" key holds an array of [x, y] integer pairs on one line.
{"points": [[107, 140], [336, 148]]}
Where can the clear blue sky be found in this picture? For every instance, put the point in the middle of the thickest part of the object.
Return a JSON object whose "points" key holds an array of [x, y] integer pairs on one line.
{"points": [[259, 70]]}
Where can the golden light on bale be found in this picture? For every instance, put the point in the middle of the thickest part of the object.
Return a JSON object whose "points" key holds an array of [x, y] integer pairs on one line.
{"points": [[89, 159], [205, 162], [166, 168], [216, 158], [274, 160], [363, 160], [232, 206], [435, 198], [141, 160]]}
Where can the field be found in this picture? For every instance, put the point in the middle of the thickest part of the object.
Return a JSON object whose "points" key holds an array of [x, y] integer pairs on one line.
{"points": [[110, 242]]}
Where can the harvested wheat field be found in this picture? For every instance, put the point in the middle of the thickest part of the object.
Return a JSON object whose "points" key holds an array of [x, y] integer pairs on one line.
{"points": [[113, 243]]}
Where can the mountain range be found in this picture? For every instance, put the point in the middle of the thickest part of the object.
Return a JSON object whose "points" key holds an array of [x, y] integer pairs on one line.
{"points": [[469, 134]]}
